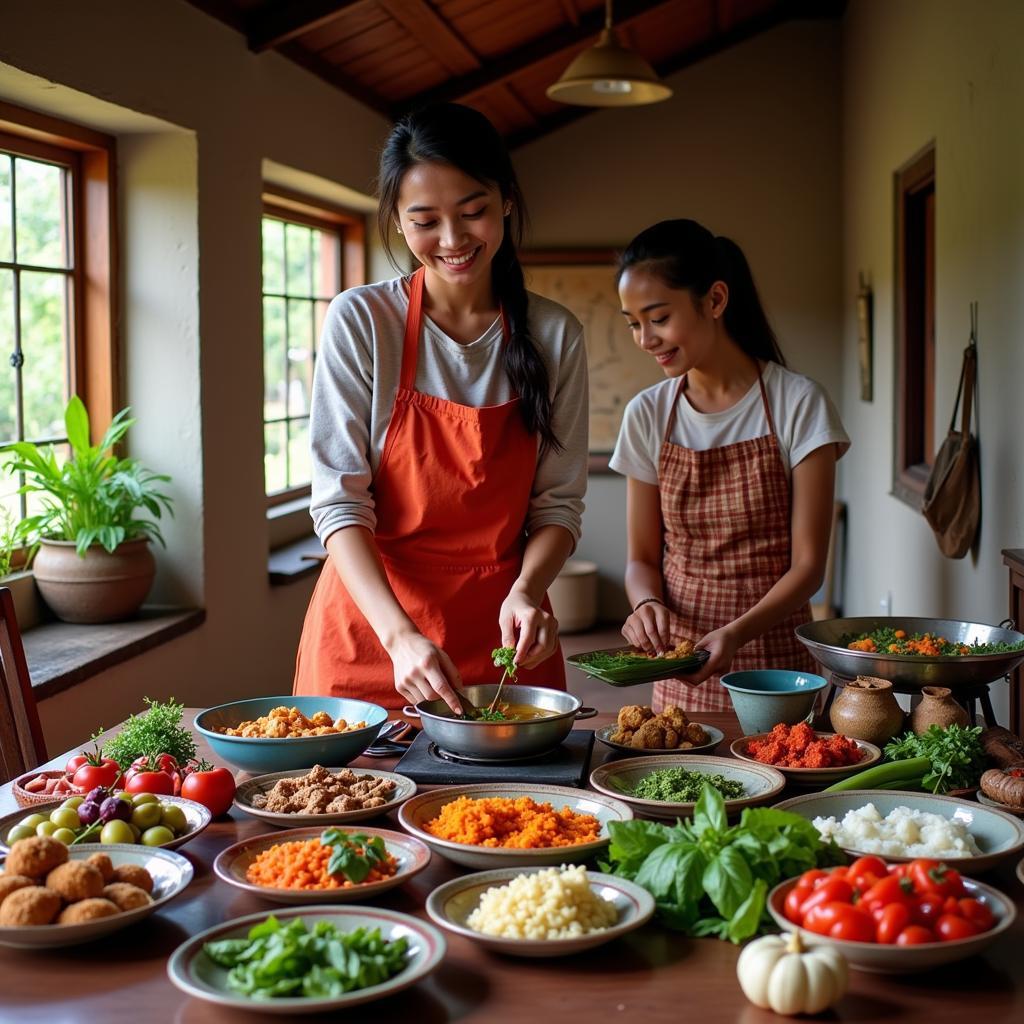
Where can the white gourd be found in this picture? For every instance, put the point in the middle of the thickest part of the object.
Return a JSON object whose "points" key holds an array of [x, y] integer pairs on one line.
{"points": [[777, 973]]}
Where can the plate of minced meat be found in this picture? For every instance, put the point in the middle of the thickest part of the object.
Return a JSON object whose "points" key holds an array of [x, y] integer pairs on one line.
{"points": [[319, 796]]}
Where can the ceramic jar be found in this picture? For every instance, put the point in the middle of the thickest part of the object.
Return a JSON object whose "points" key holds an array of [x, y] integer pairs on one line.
{"points": [[937, 707], [866, 709]]}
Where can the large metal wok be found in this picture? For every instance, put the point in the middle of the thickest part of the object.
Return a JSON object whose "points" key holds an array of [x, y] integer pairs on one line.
{"points": [[825, 642], [503, 741]]}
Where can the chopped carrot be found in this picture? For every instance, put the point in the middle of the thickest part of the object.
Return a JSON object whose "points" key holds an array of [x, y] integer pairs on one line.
{"points": [[303, 865]]}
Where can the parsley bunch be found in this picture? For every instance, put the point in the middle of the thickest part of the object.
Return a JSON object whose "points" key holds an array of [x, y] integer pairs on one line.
{"points": [[156, 731], [955, 752]]}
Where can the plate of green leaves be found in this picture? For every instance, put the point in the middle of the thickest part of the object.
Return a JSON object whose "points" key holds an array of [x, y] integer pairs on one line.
{"points": [[306, 959], [355, 854], [629, 667]]}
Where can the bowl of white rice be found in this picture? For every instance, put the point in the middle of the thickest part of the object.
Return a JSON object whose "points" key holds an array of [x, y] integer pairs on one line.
{"points": [[540, 912], [901, 826]]}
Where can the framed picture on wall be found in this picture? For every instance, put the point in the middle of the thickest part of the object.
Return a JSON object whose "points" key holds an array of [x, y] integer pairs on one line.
{"points": [[583, 280]]}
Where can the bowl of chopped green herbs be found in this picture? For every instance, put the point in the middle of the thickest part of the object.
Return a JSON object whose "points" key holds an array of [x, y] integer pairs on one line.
{"points": [[306, 959], [670, 786]]}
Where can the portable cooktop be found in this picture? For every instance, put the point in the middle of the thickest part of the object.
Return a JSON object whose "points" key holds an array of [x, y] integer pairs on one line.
{"points": [[566, 765]]}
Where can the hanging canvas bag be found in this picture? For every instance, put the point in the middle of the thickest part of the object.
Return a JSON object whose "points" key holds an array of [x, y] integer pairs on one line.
{"points": [[952, 496]]}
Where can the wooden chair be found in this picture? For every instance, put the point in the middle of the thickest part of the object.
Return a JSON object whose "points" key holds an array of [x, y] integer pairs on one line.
{"points": [[21, 736]]}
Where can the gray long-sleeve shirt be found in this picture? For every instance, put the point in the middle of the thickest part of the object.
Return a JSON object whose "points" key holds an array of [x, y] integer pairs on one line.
{"points": [[357, 373]]}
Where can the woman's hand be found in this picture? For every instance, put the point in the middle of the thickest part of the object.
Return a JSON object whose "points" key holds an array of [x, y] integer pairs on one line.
{"points": [[722, 645], [649, 628], [525, 626], [423, 671]]}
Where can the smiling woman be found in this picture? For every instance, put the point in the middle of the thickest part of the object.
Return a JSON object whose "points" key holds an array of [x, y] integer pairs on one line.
{"points": [[448, 433]]}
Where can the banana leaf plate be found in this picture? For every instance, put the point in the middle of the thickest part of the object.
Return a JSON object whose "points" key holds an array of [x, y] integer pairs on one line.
{"points": [[635, 668]]}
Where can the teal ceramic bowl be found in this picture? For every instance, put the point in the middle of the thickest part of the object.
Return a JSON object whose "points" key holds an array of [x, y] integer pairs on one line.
{"points": [[999, 836], [764, 697], [277, 755]]}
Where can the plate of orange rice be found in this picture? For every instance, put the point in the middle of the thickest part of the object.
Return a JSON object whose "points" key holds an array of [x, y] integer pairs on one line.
{"points": [[293, 866], [493, 825]]}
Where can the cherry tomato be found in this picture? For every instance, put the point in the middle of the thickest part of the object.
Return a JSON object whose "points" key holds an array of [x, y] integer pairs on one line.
{"points": [[888, 889], [840, 921], [76, 762], [150, 782], [105, 774], [214, 788], [927, 908], [891, 920], [899, 870], [791, 907], [915, 935], [865, 871], [950, 927], [810, 880], [977, 913], [932, 875], [834, 890]]}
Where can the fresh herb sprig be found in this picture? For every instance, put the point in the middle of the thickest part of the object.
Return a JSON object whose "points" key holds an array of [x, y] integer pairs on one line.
{"points": [[287, 960], [710, 878], [156, 731], [955, 752], [354, 854], [505, 657]]}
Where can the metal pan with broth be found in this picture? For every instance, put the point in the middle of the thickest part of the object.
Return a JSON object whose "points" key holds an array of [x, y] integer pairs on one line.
{"points": [[506, 712]]}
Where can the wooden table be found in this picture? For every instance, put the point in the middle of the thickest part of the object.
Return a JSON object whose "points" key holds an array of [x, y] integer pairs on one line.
{"points": [[648, 977]]}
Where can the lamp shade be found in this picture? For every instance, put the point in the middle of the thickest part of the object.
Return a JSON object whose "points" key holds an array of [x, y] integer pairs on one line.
{"points": [[609, 75]]}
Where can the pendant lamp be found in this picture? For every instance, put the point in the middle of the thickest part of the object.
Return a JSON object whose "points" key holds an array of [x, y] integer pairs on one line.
{"points": [[609, 75]]}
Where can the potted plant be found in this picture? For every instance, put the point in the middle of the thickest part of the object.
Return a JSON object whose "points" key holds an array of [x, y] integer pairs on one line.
{"points": [[13, 573], [92, 557]]}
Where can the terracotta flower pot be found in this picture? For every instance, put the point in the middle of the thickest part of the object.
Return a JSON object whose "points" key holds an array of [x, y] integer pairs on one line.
{"points": [[101, 587]]}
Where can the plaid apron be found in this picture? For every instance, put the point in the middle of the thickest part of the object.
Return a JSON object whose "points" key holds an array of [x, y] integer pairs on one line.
{"points": [[726, 515]]}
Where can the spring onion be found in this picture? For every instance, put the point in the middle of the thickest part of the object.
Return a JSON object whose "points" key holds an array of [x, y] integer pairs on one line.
{"points": [[884, 776]]}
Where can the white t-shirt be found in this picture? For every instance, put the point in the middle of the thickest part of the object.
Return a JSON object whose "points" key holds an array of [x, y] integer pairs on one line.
{"points": [[805, 419]]}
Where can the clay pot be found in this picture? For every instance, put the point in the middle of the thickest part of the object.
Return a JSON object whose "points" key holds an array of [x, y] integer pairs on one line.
{"points": [[937, 707], [866, 709], [101, 587]]}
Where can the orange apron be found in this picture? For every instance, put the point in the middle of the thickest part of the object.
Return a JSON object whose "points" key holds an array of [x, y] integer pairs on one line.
{"points": [[727, 521], [452, 493]]}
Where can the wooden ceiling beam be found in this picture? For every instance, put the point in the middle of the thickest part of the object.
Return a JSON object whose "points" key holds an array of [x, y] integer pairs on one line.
{"points": [[334, 76], [434, 33], [290, 19], [502, 68]]}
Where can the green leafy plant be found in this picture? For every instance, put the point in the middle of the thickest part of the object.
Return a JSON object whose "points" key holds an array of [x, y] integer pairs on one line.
{"points": [[8, 540], [92, 497], [956, 755], [353, 854], [156, 730]]}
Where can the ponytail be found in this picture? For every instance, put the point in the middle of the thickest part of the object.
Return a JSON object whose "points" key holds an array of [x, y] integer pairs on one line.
{"points": [[449, 133], [686, 256]]}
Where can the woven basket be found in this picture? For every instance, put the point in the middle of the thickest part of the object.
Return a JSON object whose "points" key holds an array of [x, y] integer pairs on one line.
{"points": [[27, 799]]}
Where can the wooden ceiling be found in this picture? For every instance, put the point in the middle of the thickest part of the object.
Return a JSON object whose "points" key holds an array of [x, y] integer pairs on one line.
{"points": [[496, 55]]}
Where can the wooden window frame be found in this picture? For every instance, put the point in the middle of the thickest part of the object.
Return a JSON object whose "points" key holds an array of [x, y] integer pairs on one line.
{"points": [[914, 300], [350, 228], [95, 370]]}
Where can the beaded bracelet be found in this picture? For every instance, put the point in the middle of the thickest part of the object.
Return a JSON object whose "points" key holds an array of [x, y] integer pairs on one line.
{"points": [[648, 600]]}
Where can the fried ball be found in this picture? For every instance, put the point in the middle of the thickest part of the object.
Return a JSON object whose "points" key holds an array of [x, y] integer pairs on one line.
{"points": [[31, 905], [696, 734], [632, 716], [87, 910], [675, 717], [103, 864], [75, 881], [125, 896], [623, 736], [133, 875], [650, 735], [36, 856], [9, 883]]}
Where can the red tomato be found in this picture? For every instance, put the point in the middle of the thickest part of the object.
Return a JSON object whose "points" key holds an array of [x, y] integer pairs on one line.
{"points": [[865, 871], [950, 927], [927, 908], [899, 870], [891, 920], [809, 880], [889, 889], [215, 789], [150, 782], [834, 890], [76, 762], [977, 913], [915, 935], [841, 921], [791, 907], [931, 875], [104, 774]]}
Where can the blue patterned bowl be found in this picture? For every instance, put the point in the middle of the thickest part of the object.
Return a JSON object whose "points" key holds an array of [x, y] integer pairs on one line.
{"points": [[764, 697], [333, 750]]}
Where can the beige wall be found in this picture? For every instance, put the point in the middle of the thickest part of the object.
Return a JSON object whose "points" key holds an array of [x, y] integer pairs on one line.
{"points": [[951, 72], [197, 114], [749, 146]]}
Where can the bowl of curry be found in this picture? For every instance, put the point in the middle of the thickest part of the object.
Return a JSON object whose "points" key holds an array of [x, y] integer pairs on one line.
{"points": [[533, 720]]}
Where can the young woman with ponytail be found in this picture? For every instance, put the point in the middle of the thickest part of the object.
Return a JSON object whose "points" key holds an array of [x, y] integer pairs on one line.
{"points": [[449, 438], [731, 467]]}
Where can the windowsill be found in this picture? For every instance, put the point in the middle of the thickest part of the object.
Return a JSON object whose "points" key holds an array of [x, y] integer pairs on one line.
{"points": [[295, 561], [62, 654]]}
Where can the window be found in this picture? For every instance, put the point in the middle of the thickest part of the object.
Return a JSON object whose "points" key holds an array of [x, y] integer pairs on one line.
{"points": [[55, 272], [309, 253], [915, 326]]}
